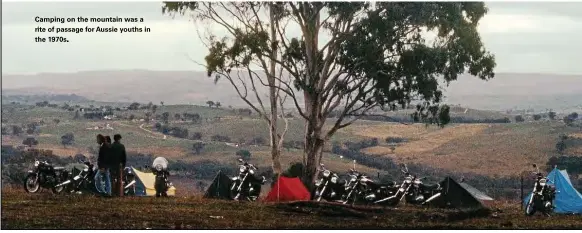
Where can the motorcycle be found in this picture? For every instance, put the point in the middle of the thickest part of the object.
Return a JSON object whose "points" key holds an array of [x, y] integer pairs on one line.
{"points": [[542, 196], [328, 187], [85, 180], [45, 175], [359, 189], [128, 182], [160, 170], [246, 186], [412, 190]]}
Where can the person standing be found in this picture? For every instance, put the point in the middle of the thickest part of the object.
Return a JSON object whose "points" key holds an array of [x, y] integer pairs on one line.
{"points": [[104, 164], [118, 164]]}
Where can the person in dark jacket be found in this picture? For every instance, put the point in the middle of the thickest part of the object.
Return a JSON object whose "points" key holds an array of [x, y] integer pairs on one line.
{"points": [[104, 164], [119, 157]]}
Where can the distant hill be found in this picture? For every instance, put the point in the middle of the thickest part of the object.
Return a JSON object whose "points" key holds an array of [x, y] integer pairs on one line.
{"points": [[73, 98], [505, 91]]}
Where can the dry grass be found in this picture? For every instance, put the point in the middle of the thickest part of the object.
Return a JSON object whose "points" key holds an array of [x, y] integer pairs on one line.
{"points": [[487, 149], [47, 211]]}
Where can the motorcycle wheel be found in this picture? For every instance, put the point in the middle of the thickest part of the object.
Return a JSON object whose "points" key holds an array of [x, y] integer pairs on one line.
{"points": [[530, 209], [31, 185]]}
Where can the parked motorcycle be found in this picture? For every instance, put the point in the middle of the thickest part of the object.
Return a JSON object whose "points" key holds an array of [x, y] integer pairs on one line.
{"points": [[128, 182], [328, 187], [84, 181], [360, 189], [45, 175], [542, 196], [160, 170], [246, 186], [412, 190]]}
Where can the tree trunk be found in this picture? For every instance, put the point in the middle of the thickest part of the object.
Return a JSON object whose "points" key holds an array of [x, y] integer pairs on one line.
{"points": [[312, 151], [314, 141], [275, 148]]}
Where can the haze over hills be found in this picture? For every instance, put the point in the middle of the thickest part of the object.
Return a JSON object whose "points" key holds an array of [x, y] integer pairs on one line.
{"points": [[505, 91]]}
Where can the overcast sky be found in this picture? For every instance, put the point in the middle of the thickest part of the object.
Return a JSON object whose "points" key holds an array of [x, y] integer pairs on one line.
{"points": [[526, 37]]}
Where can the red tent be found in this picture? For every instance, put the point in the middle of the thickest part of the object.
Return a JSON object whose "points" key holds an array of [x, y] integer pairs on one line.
{"points": [[288, 189]]}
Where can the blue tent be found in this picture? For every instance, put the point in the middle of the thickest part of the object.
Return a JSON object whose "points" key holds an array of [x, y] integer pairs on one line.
{"points": [[568, 199]]}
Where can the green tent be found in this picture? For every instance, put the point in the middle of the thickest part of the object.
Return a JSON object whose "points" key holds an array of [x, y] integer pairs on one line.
{"points": [[220, 187], [454, 195]]}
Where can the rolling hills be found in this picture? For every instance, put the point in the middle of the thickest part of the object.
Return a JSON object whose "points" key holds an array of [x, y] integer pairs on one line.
{"points": [[505, 91]]}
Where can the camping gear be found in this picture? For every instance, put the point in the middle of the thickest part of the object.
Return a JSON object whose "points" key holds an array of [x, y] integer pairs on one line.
{"points": [[247, 186], [454, 195], [288, 189], [481, 196], [145, 184], [568, 200], [220, 187]]}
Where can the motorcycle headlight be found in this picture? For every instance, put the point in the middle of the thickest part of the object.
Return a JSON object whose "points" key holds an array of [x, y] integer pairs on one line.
{"points": [[86, 169], [334, 179], [326, 173], [252, 171], [407, 181], [36, 163], [317, 182], [242, 168]]}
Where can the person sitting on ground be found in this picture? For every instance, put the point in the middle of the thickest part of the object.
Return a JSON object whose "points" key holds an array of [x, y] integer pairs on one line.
{"points": [[119, 158], [104, 164]]}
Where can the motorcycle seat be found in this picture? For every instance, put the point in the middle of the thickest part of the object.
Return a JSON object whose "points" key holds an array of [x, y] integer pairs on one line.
{"points": [[430, 186], [59, 168]]}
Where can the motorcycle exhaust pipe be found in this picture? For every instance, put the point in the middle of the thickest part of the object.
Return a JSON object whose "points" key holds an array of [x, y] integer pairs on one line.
{"points": [[64, 183], [432, 198], [386, 199], [130, 184]]}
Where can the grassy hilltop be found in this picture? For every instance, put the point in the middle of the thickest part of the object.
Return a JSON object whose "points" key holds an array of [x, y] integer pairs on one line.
{"points": [[486, 149], [494, 150]]}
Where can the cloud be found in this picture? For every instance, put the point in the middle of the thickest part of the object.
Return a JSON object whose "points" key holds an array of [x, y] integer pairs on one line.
{"points": [[525, 37], [516, 23]]}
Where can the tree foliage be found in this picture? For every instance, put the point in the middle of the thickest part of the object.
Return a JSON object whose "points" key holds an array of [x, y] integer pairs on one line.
{"points": [[377, 55], [30, 141], [67, 139], [519, 118], [244, 154]]}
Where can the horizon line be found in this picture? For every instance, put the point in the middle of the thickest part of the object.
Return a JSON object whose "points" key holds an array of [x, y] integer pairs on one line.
{"points": [[198, 70]]}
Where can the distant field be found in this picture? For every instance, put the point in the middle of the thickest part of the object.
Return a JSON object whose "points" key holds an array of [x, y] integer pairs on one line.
{"points": [[488, 149]]}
